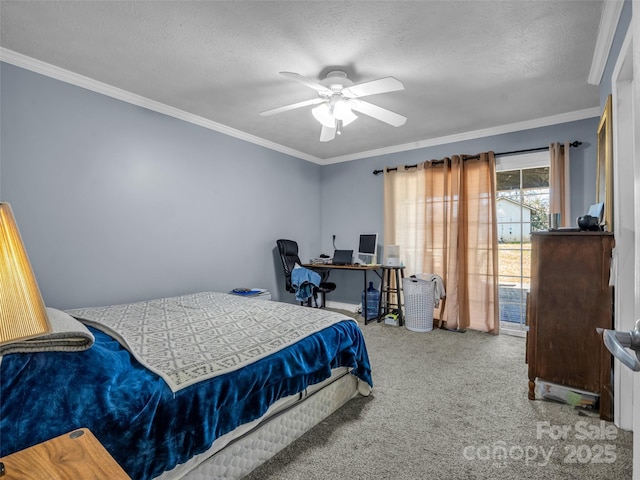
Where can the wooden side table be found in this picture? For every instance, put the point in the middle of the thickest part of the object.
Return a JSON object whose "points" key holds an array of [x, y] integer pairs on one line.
{"points": [[72, 456]]}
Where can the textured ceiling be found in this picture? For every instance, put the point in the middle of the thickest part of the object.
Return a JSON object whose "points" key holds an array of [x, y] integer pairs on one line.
{"points": [[466, 65]]}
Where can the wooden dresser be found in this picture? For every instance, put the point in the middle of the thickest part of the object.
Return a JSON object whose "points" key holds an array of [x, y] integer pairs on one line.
{"points": [[570, 297]]}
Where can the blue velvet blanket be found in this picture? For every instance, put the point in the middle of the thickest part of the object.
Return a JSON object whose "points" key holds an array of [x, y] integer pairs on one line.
{"points": [[144, 425]]}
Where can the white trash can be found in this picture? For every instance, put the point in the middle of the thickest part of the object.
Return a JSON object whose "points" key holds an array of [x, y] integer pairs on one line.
{"points": [[418, 304]]}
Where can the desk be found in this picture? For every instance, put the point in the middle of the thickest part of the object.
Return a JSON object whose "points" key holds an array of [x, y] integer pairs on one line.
{"points": [[319, 267]]}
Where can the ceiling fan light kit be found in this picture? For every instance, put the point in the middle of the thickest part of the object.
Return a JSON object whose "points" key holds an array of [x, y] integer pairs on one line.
{"points": [[342, 111], [338, 97], [322, 113], [328, 114]]}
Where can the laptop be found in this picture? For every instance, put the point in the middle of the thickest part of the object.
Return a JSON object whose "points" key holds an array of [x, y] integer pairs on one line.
{"points": [[342, 257]]}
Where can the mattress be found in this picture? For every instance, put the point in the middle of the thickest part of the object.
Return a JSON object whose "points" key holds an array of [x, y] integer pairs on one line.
{"points": [[250, 445]]}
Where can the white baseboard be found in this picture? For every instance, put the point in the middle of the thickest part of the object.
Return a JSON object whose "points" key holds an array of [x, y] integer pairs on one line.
{"points": [[343, 306]]}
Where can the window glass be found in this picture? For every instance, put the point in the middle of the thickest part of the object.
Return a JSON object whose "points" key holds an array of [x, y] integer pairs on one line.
{"points": [[535, 178], [522, 207]]}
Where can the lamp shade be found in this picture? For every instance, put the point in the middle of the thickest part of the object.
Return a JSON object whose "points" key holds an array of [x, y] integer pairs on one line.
{"points": [[342, 112], [323, 114], [22, 310]]}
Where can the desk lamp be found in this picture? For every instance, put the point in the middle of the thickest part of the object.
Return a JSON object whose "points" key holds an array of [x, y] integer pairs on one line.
{"points": [[22, 310]]}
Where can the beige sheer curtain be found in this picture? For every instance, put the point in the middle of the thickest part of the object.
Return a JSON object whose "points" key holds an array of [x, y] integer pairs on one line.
{"points": [[559, 193], [443, 216]]}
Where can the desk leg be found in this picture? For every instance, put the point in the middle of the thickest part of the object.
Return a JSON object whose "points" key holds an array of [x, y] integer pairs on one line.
{"points": [[381, 314], [364, 303], [399, 292], [386, 288]]}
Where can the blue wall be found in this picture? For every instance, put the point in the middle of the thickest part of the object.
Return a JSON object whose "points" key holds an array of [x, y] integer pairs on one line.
{"points": [[117, 203]]}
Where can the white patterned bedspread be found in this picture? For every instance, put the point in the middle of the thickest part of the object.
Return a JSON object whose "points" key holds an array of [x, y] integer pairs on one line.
{"points": [[190, 338]]}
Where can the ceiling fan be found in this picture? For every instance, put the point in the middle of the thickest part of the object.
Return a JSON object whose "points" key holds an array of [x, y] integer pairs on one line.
{"points": [[338, 97]]}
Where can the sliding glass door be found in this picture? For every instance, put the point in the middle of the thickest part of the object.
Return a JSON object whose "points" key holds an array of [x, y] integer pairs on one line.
{"points": [[522, 207]]}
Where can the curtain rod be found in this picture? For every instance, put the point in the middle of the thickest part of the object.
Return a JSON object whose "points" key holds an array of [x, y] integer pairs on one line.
{"points": [[471, 157]]}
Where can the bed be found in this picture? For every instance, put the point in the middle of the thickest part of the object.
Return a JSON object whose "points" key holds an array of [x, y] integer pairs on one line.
{"points": [[207, 385]]}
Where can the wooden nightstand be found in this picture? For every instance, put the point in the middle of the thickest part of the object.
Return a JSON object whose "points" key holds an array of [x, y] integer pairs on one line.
{"points": [[72, 456]]}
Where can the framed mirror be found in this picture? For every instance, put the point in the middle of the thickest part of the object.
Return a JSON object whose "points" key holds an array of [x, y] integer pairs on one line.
{"points": [[604, 169]]}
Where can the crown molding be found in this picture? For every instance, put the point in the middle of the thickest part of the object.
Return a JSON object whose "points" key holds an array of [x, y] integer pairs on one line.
{"points": [[43, 68], [72, 78], [486, 132], [611, 11]]}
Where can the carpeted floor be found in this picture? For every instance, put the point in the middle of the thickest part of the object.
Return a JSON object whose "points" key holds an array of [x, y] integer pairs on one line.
{"points": [[449, 405]]}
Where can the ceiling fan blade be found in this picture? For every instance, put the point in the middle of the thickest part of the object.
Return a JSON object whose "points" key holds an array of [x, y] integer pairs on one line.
{"points": [[309, 83], [379, 113], [313, 101], [382, 85], [327, 134]]}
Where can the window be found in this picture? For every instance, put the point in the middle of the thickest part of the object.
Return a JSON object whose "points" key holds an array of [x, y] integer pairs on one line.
{"points": [[522, 184]]}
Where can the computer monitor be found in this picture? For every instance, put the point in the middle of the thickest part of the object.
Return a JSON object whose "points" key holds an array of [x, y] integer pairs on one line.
{"points": [[368, 245]]}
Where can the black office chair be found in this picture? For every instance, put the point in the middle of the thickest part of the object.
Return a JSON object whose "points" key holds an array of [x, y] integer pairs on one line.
{"points": [[289, 255]]}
